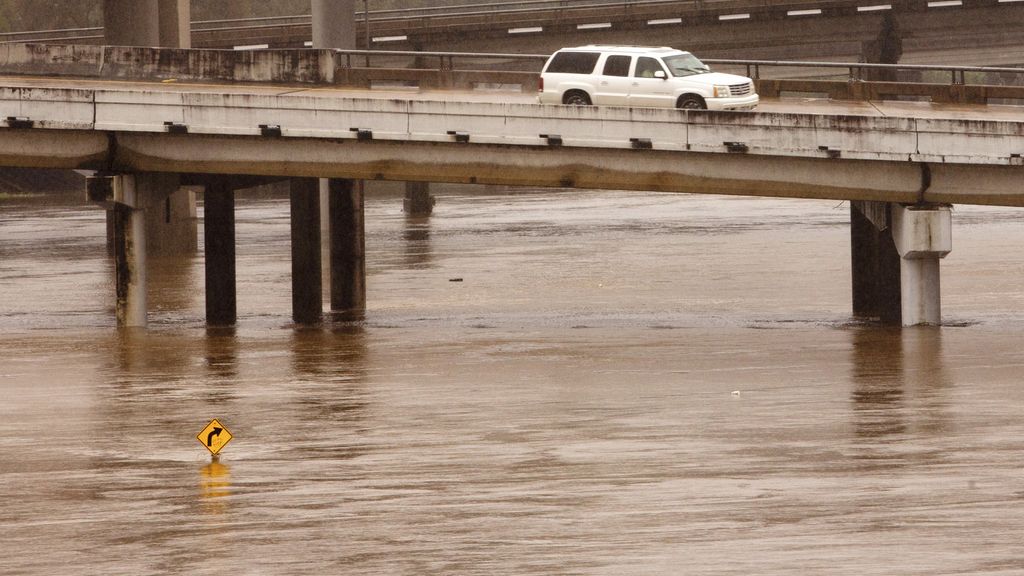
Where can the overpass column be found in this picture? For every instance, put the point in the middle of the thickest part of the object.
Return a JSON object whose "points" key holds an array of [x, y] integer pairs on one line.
{"points": [[219, 244], [334, 24], [334, 27], [348, 241], [418, 201], [307, 279], [175, 28], [131, 22], [923, 236], [129, 251], [875, 263]]}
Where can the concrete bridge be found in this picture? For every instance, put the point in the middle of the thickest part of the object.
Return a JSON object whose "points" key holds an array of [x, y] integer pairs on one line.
{"points": [[901, 166]]}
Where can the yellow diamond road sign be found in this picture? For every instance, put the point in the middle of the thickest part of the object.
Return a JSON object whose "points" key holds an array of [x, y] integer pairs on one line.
{"points": [[215, 436]]}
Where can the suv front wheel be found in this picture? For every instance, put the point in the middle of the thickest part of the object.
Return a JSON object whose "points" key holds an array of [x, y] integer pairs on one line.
{"points": [[691, 102], [576, 98]]}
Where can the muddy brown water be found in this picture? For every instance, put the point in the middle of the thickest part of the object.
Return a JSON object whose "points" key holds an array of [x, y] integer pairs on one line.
{"points": [[620, 383]]}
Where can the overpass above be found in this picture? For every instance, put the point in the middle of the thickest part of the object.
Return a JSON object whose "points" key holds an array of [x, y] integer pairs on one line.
{"points": [[974, 32]]}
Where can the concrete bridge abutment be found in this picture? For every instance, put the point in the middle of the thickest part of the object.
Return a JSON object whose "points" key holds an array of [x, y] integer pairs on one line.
{"points": [[895, 253]]}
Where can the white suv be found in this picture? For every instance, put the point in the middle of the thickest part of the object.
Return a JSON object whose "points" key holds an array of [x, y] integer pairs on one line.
{"points": [[638, 76]]}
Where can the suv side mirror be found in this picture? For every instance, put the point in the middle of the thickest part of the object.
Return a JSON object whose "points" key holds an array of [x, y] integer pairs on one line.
{"points": [[660, 74]]}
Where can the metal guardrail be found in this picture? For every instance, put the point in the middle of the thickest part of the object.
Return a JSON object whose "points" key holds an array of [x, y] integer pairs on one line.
{"points": [[440, 70], [856, 70]]}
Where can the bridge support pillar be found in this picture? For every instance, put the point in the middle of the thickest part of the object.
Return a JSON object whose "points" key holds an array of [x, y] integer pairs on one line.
{"points": [[307, 279], [347, 245], [129, 226], [175, 26], [923, 236], [334, 24], [418, 201], [875, 263], [131, 22], [895, 258], [165, 23], [219, 245]]}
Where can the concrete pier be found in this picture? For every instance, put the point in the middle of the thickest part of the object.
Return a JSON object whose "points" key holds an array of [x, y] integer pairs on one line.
{"points": [[863, 263], [131, 22], [129, 252], [347, 245], [875, 263], [895, 253], [923, 236], [418, 201], [164, 23], [219, 240], [307, 295], [175, 27], [334, 24]]}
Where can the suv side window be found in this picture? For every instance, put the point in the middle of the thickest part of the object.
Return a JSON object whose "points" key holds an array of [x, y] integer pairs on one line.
{"points": [[574, 62], [617, 66], [646, 67]]}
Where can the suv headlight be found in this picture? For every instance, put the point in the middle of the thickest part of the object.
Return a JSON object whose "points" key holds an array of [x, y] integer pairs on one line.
{"points": [[721, 91]]}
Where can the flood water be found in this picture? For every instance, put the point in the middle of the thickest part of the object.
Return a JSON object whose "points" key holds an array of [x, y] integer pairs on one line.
{"points": [[545, 382]]}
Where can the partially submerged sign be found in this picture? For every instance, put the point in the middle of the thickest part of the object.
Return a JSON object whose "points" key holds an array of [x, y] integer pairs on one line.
{"points": [[215, 436]]}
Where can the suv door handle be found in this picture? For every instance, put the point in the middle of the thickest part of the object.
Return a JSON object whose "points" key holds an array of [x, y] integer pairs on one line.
{"points": [[604, 83], [636, 83]]}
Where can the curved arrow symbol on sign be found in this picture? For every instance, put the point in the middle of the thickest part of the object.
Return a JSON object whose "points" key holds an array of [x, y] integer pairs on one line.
{"points": [[209, 437]]}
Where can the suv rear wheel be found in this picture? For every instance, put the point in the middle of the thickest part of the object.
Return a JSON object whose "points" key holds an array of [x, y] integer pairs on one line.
{"points": [[576, 98], [691, 102]]}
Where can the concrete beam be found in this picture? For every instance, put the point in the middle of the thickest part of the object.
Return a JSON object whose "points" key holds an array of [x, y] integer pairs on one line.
{"points": [[588, 168]]}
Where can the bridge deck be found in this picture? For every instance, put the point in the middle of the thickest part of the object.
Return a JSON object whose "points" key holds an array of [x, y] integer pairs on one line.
{"points": [[904, 152], [821, 106]]}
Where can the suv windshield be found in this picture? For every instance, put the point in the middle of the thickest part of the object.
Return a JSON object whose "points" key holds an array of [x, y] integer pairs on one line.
{"points": [[685, 65]]}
